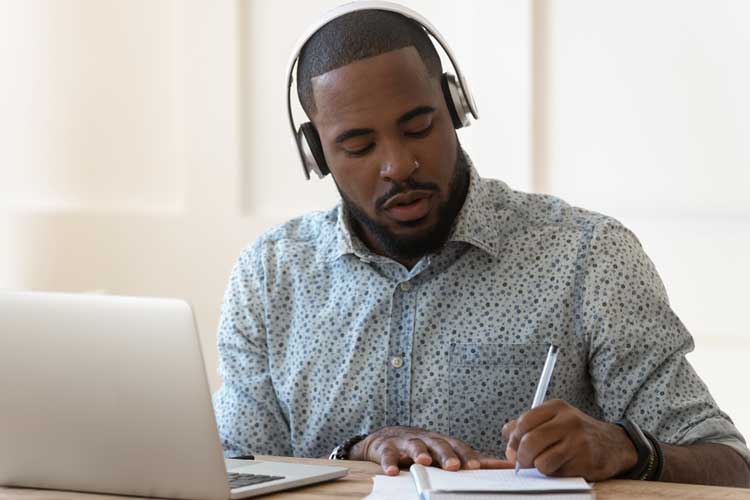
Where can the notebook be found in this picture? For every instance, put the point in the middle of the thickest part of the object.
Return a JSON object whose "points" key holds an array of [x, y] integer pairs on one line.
{"points": [[433, 483]]}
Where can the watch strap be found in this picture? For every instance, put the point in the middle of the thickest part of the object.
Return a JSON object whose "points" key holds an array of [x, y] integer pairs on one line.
{"points": [[648, 467]]}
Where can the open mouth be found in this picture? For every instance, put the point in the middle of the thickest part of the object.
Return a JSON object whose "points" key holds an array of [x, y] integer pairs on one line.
{"points": [[409, 208]]}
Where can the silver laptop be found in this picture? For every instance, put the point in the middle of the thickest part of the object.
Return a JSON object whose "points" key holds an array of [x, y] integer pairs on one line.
{"points": [[109, 394]]}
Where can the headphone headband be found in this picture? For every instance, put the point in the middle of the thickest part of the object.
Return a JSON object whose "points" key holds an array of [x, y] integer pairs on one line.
{"points": [[370, 5]]}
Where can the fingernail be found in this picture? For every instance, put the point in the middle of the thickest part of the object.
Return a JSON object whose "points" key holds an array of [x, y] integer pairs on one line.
{"points": [[392, 470], [452, 463], [425, 458], [472, 464]]}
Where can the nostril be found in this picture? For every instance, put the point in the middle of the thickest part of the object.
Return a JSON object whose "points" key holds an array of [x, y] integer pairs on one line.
{"points": [[399, 171]]}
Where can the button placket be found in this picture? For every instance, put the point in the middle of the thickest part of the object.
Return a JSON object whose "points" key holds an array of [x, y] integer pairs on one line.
{"points": [[399, 360]]}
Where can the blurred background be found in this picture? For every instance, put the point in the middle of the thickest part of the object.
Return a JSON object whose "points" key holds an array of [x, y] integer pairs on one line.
{"points": [[144, 143]]}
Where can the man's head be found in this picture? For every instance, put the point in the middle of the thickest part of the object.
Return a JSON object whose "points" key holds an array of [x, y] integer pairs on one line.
{"points": [[370, 81]]}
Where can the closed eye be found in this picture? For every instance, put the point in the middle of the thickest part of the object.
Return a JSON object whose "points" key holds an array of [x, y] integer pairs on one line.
{"points": [[361, 151], [420, 133]]}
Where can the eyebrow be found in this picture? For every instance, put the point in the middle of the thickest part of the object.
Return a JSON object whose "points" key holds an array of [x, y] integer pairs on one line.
{"points": [[352, 133], [419, 110]]}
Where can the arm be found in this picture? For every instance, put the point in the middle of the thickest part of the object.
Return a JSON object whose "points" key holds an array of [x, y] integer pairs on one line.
{"points": [[705, 463], [560, 440], [638, 369], [247, 412], [638, 366]]}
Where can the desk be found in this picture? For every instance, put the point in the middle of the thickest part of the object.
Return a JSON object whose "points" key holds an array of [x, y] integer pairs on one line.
{"points": [[358, 483]]}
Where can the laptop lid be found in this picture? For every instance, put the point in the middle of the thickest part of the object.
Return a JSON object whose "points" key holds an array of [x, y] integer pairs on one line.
{"points": [[106, 394]]}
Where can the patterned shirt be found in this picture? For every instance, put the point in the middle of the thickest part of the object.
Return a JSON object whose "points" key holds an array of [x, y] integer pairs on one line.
{"points": [[321, 340]]}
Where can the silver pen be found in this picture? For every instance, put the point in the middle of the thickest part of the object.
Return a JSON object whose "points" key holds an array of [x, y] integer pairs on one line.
{"points": [[541, 388]]}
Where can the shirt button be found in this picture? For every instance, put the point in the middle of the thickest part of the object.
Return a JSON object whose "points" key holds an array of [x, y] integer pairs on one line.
{"points": [[397, 362], [405, 286]]}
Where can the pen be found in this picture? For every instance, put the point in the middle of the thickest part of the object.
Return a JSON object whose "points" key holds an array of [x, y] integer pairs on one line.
{"points": [[541, 389]]}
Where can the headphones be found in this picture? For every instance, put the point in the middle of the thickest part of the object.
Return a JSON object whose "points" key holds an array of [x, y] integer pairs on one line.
{"points": [[455, 90]]}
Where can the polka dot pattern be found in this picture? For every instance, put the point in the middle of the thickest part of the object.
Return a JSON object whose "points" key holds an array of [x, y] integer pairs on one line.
{"points": [[321, 340]]}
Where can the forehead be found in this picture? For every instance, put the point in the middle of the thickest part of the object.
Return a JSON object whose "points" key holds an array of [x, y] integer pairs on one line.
{"points": [[382, 86]]}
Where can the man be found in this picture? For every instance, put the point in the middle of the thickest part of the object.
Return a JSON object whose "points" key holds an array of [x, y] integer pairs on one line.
{"points": [[410, 323]]}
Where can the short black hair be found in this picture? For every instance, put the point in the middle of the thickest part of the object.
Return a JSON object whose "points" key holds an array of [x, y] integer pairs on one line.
{"points": [[359, 35]]}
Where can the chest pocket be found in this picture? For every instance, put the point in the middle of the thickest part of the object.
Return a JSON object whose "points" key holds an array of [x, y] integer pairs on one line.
{"points": [[491, 384]]}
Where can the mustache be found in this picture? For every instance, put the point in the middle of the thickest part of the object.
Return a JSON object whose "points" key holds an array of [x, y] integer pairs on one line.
{"points": [[403, 187]]}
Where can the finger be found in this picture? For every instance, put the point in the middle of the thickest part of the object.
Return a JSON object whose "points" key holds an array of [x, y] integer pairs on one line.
{"points": [[469, 456], [572, 468], [510, 454], [487, 462], [389, 458], [552, 460], [514, 439], [532, 419], [538, 440], [442, 453], [417, 450], [508, 428]]}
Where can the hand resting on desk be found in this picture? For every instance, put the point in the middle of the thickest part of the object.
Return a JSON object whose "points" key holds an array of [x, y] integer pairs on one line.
{"points": [[394, 446]]}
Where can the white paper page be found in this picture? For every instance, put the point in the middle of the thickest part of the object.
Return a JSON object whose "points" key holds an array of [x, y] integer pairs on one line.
{"points": [[390, 487], [527, 480]]}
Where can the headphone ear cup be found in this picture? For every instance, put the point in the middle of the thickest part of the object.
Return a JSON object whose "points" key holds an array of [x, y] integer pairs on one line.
{"points": [[312, 150], [458, 106]]}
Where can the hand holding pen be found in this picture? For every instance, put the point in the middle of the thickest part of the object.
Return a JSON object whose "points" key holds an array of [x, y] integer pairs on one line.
{"points": [[560, 440]]}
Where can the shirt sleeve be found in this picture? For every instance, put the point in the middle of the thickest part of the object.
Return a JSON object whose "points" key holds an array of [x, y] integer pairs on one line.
{"points": [[247, 412], [638, 345]]}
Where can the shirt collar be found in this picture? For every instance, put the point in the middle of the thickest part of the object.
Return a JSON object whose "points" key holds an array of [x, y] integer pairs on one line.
{"points": [[483, 216], [474, 223], [344, 241]]}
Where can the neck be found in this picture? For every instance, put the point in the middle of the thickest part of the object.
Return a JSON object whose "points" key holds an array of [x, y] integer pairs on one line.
{"points": [[377, 247]]}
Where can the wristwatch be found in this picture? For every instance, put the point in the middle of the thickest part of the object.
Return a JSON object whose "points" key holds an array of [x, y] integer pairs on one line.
{"points": [[650, 458], [341, 452]]}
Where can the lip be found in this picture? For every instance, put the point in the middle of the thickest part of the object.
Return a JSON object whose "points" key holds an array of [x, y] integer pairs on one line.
{"points": [[406, 198], [407, 207]]}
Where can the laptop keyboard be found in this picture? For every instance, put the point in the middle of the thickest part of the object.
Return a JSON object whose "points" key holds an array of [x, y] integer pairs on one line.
{"points": [[237, 480]]}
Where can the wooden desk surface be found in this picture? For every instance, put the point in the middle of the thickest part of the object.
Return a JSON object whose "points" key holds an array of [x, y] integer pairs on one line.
{"points": [[358, 484]]}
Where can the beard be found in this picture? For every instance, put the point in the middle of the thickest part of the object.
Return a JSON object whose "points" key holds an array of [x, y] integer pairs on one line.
{"points": [[433, 238]]}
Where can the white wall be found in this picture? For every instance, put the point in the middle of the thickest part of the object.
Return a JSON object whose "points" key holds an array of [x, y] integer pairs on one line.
{"points": [[120, 168], [144, 143], [90, 97]]}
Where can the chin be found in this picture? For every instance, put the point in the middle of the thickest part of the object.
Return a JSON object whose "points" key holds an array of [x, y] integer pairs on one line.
{"points": [[422, 226], [412, 225], [416, 232]]}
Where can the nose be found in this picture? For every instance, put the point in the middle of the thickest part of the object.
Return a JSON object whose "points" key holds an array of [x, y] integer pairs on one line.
{"points": [[398, 164]]}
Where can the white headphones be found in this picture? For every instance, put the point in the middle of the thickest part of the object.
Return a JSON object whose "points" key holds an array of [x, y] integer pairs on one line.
{"points": [[455, 90]]}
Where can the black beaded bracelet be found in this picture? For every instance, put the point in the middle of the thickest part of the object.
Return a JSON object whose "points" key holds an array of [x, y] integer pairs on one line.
{"points": [[656, 476], [341, 452]]}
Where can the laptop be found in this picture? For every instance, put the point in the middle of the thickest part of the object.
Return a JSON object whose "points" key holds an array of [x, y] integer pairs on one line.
{"points": [[109, 394]]}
